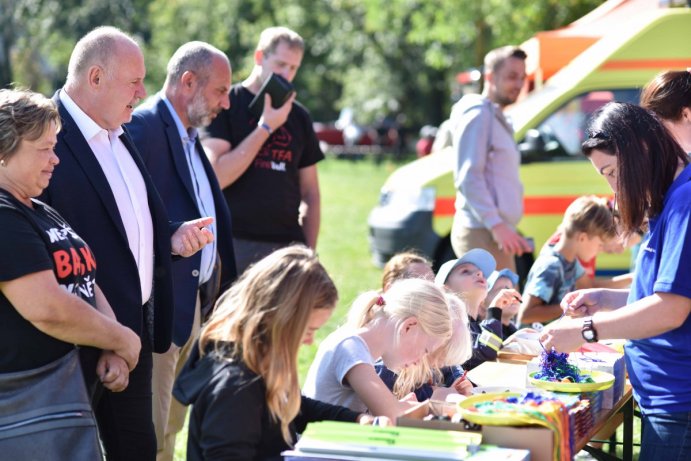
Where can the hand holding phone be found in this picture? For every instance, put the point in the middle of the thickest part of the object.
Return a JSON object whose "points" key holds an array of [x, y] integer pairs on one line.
{"points": [[275, 86]]}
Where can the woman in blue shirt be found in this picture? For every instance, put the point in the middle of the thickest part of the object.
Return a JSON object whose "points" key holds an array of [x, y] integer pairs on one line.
{"points": [[651, 176]]}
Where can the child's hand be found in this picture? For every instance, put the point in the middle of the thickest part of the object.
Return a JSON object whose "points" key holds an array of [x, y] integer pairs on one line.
{"points": [[442, 393], [506, 298], [509, 300], [462, 386]]}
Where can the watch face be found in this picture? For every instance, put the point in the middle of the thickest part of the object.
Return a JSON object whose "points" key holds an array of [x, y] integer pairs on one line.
{"points": [[588, 335]]}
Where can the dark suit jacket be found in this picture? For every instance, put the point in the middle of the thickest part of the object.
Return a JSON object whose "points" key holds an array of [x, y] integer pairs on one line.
{"points": [[156, 136], [80, 192]]}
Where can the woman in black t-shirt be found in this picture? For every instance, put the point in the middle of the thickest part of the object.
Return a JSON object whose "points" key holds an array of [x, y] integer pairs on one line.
{"points": [[49, 300]]}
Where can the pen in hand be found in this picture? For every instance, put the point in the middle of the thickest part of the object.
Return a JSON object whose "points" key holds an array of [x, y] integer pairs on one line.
{"points": [[462, 385]]}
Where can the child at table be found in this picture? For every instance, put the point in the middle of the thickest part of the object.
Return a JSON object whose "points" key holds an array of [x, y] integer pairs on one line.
{"points": [[497, 282], [402, 326], [406, 265], [467, 278], [242, 379], [440, 372], [613, 246], [587, 225]]}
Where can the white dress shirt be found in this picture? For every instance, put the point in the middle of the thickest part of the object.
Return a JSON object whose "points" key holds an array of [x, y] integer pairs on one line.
{"points": [[128, 188]]}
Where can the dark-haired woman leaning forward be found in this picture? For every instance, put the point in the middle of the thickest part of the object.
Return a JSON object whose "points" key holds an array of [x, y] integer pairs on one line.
{"points": [[651, 176]]}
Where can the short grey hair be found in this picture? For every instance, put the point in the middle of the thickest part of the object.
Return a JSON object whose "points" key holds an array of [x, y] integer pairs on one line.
{"points": [[96, 48], [24, 115], [496, 58], [194, 56]]}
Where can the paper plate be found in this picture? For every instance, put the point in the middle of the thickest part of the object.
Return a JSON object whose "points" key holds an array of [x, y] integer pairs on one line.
{"points": [[492, 419], [602, 381]]}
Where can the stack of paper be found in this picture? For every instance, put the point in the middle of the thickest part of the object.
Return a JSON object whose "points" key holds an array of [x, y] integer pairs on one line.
{"points": [[336, 440]]}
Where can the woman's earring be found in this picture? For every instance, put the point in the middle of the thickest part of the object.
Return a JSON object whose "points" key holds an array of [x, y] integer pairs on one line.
{"points": [[2, 163]]}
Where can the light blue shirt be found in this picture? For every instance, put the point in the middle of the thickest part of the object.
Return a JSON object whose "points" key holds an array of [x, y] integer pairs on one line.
{"points": [[202, 190]]}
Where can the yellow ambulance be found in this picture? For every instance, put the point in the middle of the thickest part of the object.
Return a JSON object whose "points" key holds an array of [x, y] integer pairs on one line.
{"points": [[416, 205]]}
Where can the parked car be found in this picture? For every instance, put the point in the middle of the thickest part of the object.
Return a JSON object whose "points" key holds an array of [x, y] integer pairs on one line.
{"points": [[345, 135]]}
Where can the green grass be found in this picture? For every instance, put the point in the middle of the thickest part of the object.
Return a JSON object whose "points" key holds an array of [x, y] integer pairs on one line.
{"points": [[349, 190]]}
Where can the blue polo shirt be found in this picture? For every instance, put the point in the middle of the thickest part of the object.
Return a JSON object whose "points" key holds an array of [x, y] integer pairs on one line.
{"points": [[660, 366]]}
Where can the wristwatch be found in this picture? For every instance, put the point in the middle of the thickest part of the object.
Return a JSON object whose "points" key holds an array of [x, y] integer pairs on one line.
{"points": [[588, 331]]}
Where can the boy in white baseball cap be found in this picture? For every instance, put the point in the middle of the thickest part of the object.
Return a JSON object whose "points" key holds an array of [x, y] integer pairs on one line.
{"points": [[467, 278]]}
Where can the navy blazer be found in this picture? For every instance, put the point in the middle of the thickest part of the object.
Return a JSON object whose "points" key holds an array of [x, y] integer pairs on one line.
{"points": [[157, 138], [80, 192]]}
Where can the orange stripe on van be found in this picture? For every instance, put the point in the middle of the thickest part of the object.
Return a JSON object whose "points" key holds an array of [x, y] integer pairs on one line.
{"points": [[630, 64], [547, 205], [444, 206]]}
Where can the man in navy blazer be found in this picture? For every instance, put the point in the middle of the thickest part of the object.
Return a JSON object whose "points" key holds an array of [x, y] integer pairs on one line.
{"points": [[164, 129], [103, 190]]}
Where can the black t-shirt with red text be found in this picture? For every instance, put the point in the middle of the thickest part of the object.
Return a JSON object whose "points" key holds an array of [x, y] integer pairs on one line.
{"points": [[265, 200], [34, 240]]}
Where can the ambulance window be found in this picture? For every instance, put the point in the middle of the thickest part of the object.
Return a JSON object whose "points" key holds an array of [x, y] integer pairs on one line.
{"points": [[563, 131]]}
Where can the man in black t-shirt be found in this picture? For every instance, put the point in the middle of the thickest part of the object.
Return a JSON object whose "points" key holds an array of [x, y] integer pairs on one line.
{"points": [[267, 165]]}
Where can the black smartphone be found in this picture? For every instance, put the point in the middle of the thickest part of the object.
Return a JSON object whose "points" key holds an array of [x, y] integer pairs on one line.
{"points": [[278, 88]]}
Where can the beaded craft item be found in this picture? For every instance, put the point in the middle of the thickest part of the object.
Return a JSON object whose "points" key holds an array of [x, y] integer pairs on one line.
{"points": [[555, 367]]}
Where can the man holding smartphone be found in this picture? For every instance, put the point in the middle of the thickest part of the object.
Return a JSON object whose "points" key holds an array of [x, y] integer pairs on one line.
{"points": [[267, 165]]}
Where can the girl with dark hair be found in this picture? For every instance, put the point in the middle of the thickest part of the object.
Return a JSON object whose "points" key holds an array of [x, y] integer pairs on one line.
{"points": [[651, 176]]}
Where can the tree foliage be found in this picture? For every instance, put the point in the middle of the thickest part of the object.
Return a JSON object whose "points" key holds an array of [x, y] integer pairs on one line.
{"points": [[380, 57]]}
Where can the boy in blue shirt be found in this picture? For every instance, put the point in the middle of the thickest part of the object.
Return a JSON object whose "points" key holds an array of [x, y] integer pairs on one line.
{"points": [[587, 225]]}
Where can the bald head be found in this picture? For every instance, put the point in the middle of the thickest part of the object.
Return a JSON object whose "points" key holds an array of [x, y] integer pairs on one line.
{"points": [[106, 76], [197, 57], [97, 48], [198, 82]]}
